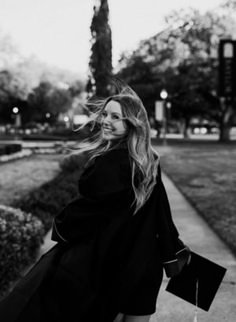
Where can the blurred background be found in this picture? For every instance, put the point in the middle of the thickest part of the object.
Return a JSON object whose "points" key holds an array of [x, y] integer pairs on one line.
{"points": [[179, 56], [56, 54]]}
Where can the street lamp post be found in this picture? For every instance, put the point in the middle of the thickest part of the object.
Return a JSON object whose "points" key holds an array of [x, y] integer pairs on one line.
{"points": [[17, 116], [164, 96]]}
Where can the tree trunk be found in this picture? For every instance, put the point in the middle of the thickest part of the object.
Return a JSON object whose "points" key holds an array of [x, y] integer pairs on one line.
{"points": [[185, 128], [224, 134], [225, 126]]}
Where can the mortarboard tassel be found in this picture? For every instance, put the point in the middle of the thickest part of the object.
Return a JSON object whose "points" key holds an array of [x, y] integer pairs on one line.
{"points": [[196, 303]]}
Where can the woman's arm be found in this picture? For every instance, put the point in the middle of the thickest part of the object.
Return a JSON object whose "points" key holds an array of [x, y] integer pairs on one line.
{"points": [[175, 254]]}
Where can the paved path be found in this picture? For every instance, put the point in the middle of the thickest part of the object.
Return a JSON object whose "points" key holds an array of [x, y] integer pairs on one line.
{"points": [[200, 238]]}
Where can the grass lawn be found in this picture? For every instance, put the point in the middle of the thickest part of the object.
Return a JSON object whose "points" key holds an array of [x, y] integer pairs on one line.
{"points": [[19, 177], [206, 175]]}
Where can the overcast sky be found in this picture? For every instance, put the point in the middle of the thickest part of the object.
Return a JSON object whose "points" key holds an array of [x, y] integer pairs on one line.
{"points": [[57, 31]]}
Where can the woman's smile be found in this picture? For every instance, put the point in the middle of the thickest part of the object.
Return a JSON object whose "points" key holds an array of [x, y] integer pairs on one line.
{"points": [[113, 126], [107, 129]]}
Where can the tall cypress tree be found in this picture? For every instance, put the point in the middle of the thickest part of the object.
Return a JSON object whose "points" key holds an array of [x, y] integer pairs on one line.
{"points": [[100, 63]]}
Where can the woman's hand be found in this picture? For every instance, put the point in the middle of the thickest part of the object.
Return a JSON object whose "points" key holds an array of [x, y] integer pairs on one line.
{"points": [[132, 318], [119, 318]]}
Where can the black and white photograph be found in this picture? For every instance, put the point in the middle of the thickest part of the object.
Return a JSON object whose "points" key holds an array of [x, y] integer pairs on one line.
{"points": [[117, 161]]}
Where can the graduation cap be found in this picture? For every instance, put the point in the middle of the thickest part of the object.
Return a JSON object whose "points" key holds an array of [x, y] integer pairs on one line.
{"points": [[198, 281]]}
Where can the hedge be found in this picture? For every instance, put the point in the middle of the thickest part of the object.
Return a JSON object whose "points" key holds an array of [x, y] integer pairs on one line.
{"points": [[21, 234], [74, 162], [10, 148], [49, 199]]}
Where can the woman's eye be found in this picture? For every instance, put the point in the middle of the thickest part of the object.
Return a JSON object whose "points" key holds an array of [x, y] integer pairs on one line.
{"points": [[104, 114], [116, 117]]}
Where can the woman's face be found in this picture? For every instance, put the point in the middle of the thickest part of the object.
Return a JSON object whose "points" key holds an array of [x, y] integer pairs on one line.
{"points": [[113, 126]]}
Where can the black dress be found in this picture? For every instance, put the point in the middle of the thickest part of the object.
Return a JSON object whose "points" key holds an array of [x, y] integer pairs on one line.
{"points": [[107, 260]]}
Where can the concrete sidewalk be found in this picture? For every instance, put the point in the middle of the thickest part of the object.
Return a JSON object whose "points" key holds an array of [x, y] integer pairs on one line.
{"points": [[200, 238]]}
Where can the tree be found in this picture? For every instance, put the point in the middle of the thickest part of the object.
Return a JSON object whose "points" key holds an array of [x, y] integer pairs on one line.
{"points": [[184, 58], [13, 92], [33, 86], [139, 75], [47, 101], [76, 88], [59, 101], [9, 53], [228, 4], [39, 101], [101, 57]]}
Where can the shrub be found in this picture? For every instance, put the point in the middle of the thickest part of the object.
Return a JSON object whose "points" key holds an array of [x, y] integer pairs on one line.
{"points": [[74, 162], [14, 156], [49, 199], [13, 148], [2, 150], [21, 234], [69, 133], [10, 148], [59, 134]]}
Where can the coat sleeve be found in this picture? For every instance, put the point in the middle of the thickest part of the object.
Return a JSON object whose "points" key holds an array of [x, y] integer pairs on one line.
{"points": [[104, 190], [174, 252]]}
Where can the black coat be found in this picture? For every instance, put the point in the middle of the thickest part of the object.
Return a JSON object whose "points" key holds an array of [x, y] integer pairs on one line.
{"points": [[107, 260]]}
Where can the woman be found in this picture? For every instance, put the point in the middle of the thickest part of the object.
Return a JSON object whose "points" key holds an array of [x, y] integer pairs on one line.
{"points": [[114, 239]]}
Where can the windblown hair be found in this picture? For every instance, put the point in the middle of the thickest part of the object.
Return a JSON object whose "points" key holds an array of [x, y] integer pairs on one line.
{"points": [[144, 159]]}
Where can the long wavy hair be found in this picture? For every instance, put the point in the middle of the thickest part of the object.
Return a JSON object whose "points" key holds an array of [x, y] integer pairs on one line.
{"points": [[144, 159]]}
